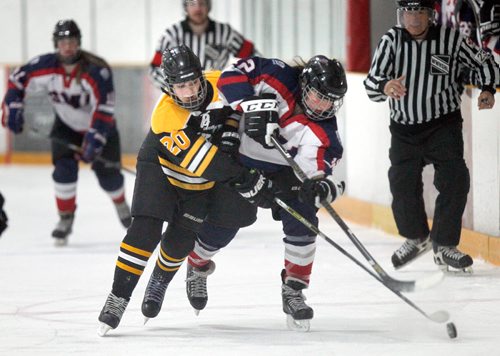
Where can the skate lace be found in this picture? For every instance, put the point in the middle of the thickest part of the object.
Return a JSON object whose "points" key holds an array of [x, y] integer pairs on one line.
{"points": [[452, 253], [197, 284], [155, 291], [64, 223], [115, 305], [407, 247], [295, 299]]}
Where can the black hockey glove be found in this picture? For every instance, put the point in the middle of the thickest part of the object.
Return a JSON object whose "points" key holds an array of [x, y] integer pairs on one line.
{"points": [[3, 216], [229, 140], [261, 118], [210, 121], [320, 191], [255, 188], [92, 145]]}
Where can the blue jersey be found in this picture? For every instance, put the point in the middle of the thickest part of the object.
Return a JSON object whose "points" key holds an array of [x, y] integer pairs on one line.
{"points": [[315, 145], [82, 99]]}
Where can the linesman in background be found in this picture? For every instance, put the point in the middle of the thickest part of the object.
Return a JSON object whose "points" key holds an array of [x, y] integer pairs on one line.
{"points": [[80, 88], [213, 42], [416, 66]]}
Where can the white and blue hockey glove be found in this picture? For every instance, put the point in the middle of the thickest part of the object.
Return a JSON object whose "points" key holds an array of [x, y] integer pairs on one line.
{"points": [[320, 191]]}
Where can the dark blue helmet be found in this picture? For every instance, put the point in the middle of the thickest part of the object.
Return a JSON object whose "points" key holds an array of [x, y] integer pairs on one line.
{"points": [[66, 29]]}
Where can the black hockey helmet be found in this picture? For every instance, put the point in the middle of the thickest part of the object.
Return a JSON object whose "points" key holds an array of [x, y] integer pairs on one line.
{"points": [[66, 29], [185, 3], [180, 65], [324, 79]]}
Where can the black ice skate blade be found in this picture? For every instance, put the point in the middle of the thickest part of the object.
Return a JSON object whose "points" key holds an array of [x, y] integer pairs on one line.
{"points": [[298, 325]]}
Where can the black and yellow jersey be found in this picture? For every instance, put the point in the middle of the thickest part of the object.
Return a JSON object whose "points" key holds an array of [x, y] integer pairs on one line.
{"points": [[187, 153]]}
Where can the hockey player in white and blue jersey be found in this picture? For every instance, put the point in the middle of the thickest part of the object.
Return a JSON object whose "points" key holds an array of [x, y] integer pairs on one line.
{"points": [[299, 104], [80, 88]]}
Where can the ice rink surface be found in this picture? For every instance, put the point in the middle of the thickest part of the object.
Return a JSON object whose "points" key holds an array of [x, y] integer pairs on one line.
{"points": [[50, 297]]}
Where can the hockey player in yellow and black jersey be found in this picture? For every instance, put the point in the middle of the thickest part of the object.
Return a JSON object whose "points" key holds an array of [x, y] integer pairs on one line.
{"points": [[186, 176]]}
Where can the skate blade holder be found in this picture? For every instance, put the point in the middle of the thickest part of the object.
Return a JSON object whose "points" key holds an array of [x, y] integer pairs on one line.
{"points": [[298, 325], [456, 271]]}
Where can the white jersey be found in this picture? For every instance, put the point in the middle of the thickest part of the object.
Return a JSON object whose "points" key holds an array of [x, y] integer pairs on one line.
{"points": [[80, 99]]}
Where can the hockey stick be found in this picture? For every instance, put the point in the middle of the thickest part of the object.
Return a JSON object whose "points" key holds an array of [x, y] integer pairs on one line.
{"points": [[403, 286], [78, 149], [440, 316]]}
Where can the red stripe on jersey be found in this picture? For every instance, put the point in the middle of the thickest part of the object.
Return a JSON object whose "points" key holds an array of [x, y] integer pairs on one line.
{"points": [[156, 62], [93, 84], [231, 80], [319, 133], [45, 71], [246, 49], [280, 88]]}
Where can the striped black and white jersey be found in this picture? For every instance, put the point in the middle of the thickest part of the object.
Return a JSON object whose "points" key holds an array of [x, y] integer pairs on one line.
{"points": [[214, 47], [432, 70]]}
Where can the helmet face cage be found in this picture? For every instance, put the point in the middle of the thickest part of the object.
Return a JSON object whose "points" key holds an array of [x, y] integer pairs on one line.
{"points": [[402, 10], [66, 29], [180, 65], [414, 6], [323, 86], [194, 103], [315, 111]]}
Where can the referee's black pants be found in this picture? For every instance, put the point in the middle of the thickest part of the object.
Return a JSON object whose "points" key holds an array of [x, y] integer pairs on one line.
{"points": [[442, 146]]}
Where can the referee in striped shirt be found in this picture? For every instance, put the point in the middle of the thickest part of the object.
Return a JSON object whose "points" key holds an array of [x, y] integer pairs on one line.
{"points": [[212, 42], [416, 66]]}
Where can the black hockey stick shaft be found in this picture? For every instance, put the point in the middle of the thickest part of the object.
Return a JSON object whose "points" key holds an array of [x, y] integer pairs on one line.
{"points": [[78, 149], [407, 286], [437, 317]]}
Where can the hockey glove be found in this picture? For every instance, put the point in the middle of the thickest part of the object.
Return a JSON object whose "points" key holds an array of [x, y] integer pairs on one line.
{"points": [[261, 118], [320, 191], [3, 216], [13, 116], [92, 146], [211, 121], [255, 188], [230, 140]]}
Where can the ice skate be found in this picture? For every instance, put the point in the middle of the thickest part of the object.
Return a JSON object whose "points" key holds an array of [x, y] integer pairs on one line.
{"points": [[196, 285], [153, 297], [410, 250], [63, 229], [299, 314], [111, 313], [123, 211], [450, 260]]}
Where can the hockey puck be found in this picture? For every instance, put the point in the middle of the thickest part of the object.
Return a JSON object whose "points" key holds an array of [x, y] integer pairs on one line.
{"points": [[452, 330]]}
